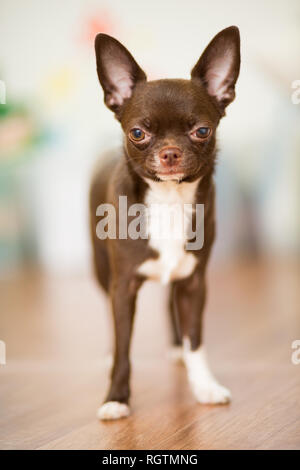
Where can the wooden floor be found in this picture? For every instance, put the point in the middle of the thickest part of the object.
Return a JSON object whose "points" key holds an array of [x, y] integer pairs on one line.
{"points": [[57, 336]]}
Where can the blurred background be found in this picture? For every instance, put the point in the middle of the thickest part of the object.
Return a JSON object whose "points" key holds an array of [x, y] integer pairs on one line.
{"points": [[54, 124]]}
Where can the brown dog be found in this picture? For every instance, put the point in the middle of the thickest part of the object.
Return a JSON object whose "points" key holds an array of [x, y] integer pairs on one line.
{"points": [[167, 163]]}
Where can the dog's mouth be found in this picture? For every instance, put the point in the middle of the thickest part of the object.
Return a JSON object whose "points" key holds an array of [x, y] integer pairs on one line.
{"points": [[170, 175]]}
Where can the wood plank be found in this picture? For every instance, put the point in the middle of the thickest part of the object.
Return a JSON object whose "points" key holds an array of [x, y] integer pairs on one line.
{"points": [[57, 336]]}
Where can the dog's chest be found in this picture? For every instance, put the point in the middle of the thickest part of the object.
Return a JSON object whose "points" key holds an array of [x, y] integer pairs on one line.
{"points": [[169, 210]]}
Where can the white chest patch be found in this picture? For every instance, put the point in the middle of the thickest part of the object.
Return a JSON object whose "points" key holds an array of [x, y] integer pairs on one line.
{"points": [[169, 214]]}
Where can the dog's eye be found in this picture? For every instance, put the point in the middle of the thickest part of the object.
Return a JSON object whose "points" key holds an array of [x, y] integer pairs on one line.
{"points": [[137, 134], [201, 133]]}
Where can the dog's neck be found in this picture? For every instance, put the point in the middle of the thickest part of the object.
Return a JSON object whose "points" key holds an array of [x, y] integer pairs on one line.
{"points": [[140, 185], [172, 191]]}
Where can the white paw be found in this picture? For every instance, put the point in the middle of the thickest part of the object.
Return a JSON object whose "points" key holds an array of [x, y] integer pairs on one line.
{"points": [[211, 392], [113, 410], [175, 354]]}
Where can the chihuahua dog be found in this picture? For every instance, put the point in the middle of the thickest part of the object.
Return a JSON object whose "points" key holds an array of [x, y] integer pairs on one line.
{"points": [[168, 158]]}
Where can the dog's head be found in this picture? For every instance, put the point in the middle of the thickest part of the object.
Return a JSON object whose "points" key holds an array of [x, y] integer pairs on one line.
{"points": [[170, 125]]}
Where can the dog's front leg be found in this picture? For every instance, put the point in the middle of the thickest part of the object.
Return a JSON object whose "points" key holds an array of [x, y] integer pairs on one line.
{"points": [[123, 297], [190, 299]]}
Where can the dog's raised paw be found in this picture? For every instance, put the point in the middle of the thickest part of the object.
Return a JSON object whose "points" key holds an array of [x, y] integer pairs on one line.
{"points": [[113, 410], [211, 393]]}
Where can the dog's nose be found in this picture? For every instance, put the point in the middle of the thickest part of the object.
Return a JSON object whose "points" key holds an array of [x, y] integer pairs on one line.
{"points": [[170, 156]]}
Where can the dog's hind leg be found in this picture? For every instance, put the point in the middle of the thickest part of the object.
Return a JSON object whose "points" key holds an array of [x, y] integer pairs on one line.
{"points": [[101, 263], [175, 352]]}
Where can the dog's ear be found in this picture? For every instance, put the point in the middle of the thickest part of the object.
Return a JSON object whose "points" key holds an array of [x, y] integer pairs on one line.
{"points": [[117, 70], [219, 65]]}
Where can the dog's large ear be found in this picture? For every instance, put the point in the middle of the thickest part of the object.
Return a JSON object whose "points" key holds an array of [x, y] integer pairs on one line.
{"points": [[219, 65], [117, 70]]}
